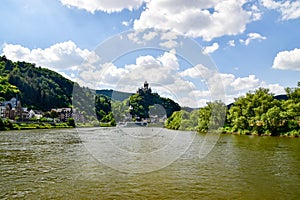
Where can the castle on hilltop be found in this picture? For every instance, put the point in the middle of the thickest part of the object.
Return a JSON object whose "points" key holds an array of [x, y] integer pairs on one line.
{"points": [[145, 89]]}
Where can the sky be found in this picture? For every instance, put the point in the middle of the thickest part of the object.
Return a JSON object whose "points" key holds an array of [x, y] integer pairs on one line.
{"points": [[192, 51]]}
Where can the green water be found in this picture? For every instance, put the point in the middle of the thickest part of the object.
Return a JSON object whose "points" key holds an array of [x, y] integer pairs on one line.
{"points": [[58, 164]]}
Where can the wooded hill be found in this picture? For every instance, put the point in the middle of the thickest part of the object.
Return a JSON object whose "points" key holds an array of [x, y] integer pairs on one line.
{"points": [[43, 89], [37, 87]]}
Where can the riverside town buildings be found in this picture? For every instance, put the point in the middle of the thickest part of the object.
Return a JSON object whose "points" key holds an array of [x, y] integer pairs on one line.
{"points": [[13, 110]]}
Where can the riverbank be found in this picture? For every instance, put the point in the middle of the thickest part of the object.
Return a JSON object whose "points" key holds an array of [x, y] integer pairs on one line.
{"points": [[9, 125], [292, 134]]}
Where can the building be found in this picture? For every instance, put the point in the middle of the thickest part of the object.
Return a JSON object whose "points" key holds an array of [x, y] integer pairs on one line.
{"points": [[35, 114], [63, 113], [2, 110], [13, 110], [145, 89]]}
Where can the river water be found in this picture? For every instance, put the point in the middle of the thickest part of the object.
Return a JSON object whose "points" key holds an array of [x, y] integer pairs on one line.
{"points": [[145, 163]]}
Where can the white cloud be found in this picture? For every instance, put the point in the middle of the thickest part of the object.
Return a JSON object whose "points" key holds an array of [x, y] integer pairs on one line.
{"points": [[108, 6], [289, 9], [211, 49], [162, 72], [234, 86], [287, 60], [60, 56], [149, 36], [251, 37], [245, 83], [231, 43], [169, 44], [207, 19], [198, 71], [127, 23], [274, 88]]}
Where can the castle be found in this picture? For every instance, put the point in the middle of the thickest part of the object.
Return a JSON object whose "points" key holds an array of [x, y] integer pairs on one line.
{"points": [[145, 89]]}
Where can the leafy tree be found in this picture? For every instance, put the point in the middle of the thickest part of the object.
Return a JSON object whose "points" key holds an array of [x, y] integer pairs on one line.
{"points": [[102, 106], [212, 116], [174, 121], [37, 87], [141, 101], [2, 125], [71, 122], [246, 112], [119, 110]]}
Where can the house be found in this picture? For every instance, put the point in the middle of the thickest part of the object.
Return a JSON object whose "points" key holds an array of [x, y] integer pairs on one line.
{"points": [[12, 109], [2, 110], [35, 114], [63, 113]]}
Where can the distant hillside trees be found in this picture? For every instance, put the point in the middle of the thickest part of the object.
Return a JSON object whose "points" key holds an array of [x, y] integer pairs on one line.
{"points": [[144, 98], [38, 88], [210, 117]]}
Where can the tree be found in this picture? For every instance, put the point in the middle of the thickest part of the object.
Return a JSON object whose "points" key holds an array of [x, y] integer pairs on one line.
{"points": [[2, 125], [71, 122], [212, 116], [143, 99], [272, 120], [174, 121], [246, 112]]}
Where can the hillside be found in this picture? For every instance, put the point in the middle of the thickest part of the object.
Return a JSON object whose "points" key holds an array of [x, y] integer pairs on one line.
{"points": [[144, 100], [43, 89], [37, 87], [114, 95]]}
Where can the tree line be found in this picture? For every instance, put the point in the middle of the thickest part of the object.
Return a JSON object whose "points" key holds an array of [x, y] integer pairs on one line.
{"points": [[257, 112]]}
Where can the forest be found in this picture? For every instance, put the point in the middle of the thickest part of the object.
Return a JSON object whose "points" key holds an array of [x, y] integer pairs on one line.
{"points": [[258, 112]]}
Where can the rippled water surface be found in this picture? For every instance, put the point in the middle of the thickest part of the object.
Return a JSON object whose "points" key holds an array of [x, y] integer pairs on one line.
{"points": [[60, 164]]}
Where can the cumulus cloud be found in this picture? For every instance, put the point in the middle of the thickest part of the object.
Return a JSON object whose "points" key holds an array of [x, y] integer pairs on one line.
{"points": [[274, 88], [162, 72], [206, 19], [251, 37], [60, 56], [288, 9], [234, 86], [287, 60], [108, 6], [211, 49], [149, 36]]}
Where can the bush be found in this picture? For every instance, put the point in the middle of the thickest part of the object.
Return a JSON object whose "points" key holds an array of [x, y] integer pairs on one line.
{"points": [[71, 122], [2, 125]]}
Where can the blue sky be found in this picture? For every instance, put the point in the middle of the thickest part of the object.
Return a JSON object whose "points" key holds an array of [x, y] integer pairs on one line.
{"points": [[253, 43]]}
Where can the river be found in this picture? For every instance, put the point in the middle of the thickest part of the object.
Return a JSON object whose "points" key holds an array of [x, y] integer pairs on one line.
{"points": [[145, 163]]}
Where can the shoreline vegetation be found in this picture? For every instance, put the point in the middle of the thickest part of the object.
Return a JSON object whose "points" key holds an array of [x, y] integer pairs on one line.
{"points": [[258, 112], [8, 125]]}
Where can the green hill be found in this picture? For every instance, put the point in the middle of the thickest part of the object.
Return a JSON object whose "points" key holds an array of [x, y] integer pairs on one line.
{"points": [[37, 87], [43, 89], [114, 95]]}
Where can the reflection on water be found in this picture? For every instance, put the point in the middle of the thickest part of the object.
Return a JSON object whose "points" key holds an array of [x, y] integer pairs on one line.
{"points": [[55, 164]]}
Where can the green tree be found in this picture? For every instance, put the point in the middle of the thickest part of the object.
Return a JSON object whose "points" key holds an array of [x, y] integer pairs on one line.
{"points": [[212, 116], [71, 122], [247, 111], [2, 125], [174, 121], [142, 100]]}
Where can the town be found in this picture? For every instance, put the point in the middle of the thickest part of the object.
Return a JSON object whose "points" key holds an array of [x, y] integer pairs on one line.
{"points": [[14, 111]]}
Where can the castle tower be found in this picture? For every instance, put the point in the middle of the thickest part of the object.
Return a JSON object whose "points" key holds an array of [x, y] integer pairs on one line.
{"points": [[146, 85]]}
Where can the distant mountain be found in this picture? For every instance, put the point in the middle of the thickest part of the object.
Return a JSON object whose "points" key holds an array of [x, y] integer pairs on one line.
{"points": [[188, 109], [281, 97], [114, 95]]}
